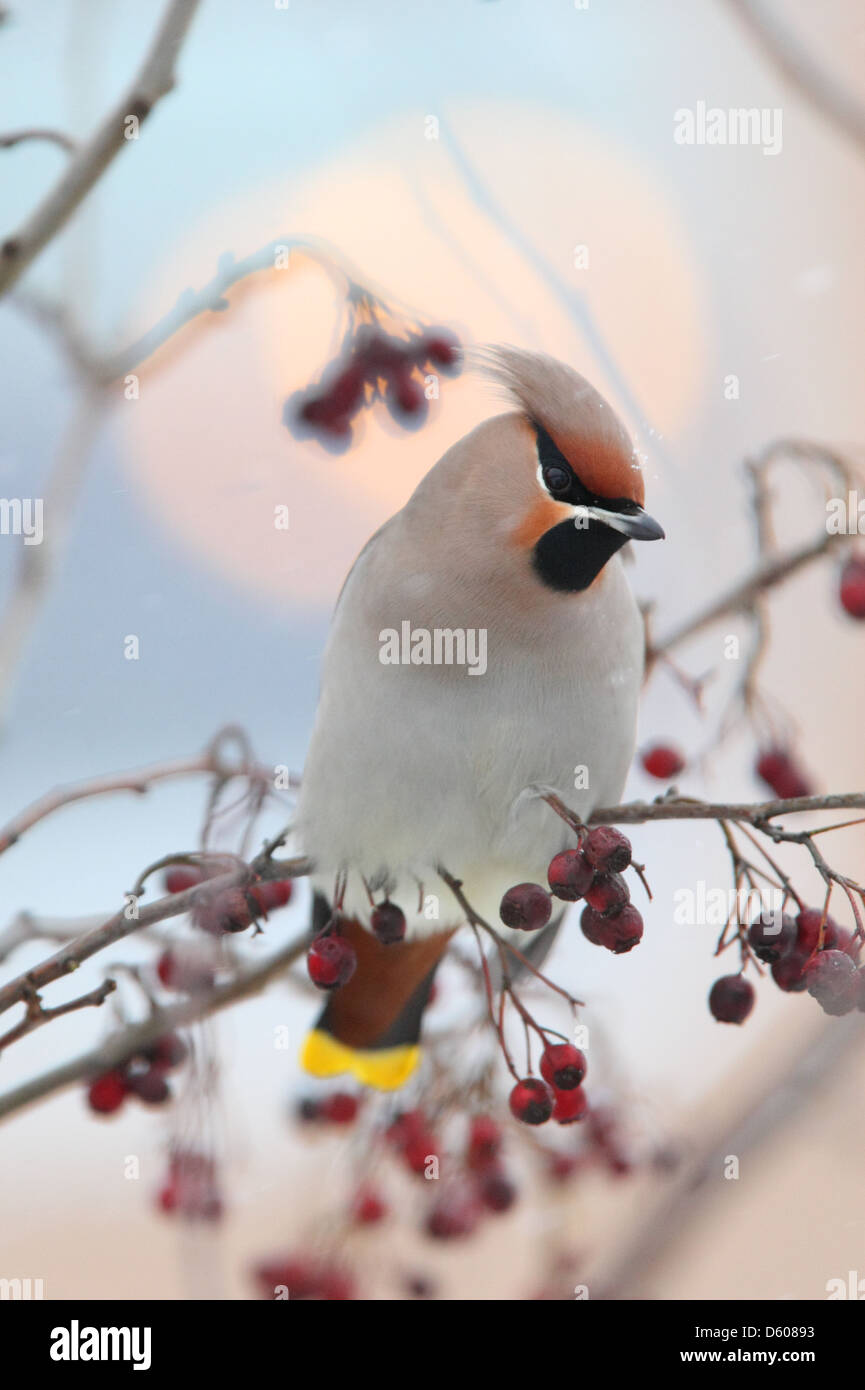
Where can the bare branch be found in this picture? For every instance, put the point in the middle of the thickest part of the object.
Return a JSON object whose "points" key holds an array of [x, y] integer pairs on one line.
{"points": [[36, 1015], [153, 81], [797, 65], [54, 137], [127, 1041], [754, 813]]}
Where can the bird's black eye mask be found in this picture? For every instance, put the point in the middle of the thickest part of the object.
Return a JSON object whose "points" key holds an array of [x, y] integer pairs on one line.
{"points": [[569, 557], [562, 483]]}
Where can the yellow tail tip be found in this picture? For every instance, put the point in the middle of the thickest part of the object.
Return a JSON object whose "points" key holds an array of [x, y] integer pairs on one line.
{"points": [[386, 1068]]}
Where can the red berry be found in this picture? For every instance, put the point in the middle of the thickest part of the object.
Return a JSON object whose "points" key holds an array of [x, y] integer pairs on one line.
{"points": [[388, 922], [167, 1052], [345, 391], [773, 936], [731, 999], [150, 1086], [833, 980], [497, 1193], [787, 973], [563, 1066], [852, 588], [608, 893], [271, 895], [419, 1150], [341, 1108], [408, 393], [618, 932], [181, 877], [778, 770], [527, 906], [368, 1208], [232, 910], [182, 971], [569, 875], [331, 962], [107, 1093], [441, 348], [560, 1166], [607, 850], [662, 761], [453, 1215], [531, 1101], [485, 1141], [570, 1106], [808, 925]]}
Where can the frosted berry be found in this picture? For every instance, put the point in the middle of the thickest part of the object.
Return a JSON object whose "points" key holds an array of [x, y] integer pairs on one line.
{"points": [[570, 1106], [107, 1093], [527, 907], [618, 932], [772, 937], [607, 850], [608, 893], [833, 980], [232, 910], [787, 973], [569, 875], [563, 1066], [181, 876], [166, 1052], [388, 922], [531, 1101], [181, 970], [662, 761], [331, 961], [852, 588], [150, 1086], [731, 999]]}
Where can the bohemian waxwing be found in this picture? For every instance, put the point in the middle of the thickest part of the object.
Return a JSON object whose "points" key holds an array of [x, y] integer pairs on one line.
{"points": [[485, 643]]}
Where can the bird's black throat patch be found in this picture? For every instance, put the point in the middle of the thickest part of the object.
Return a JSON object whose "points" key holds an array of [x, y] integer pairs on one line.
{"points": [[569, 558]]}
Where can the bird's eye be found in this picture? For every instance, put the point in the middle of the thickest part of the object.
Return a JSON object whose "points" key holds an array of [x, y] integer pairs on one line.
{"points": [[557, 479]]}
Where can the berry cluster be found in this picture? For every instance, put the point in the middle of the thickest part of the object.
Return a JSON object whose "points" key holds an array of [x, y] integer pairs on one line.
{"points": [[332, 960], [375, 366], [232, 909], [807, 952], [560, 1095], [143, 1075], [191, 1189], [593, 872]]}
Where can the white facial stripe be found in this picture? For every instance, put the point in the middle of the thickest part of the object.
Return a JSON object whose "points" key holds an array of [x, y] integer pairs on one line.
{"points": [[617, 523]]}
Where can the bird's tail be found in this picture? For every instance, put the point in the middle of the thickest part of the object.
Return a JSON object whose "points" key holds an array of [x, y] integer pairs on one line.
{"points": [[371, 1026]]}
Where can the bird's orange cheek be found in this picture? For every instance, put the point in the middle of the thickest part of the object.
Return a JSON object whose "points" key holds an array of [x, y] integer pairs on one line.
{"points": [[541, 517]]}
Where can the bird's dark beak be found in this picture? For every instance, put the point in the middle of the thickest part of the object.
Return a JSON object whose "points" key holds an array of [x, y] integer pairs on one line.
{"points": [[636, 524]]}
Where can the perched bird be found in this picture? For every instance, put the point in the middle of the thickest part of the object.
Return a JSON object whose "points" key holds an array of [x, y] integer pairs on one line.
{"points": [[485, 644]]}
